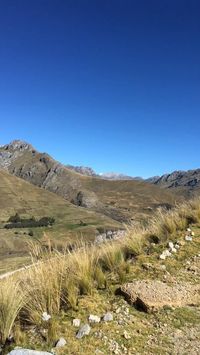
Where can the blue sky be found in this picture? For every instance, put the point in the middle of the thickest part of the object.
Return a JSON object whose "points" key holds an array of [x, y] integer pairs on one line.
{"points": [[112, 84]]}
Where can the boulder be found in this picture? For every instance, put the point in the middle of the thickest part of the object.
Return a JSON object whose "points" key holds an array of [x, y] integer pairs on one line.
{"points": [[151, 295]]}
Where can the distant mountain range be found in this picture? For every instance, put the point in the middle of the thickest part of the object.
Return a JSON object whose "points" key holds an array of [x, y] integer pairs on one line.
{"points": [[184, 182]]}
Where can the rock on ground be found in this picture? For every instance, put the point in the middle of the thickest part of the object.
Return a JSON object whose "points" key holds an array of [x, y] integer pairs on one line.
{"points": [[84, 330], [61, 342], [108, 317], [152, 295]]}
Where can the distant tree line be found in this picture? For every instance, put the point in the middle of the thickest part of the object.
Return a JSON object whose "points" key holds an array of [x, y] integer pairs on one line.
{"points": [[17, 222]]}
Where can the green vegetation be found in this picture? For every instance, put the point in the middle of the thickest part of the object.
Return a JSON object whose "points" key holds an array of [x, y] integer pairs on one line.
{"points": [[17, 222]]}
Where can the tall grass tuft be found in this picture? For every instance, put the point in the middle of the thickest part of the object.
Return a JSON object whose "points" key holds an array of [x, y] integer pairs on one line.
{"points": [[44, 288], [12, 299]]}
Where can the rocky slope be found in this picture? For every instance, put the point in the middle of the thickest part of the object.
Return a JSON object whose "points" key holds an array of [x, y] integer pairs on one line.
{"points": [[121, 200], [186, 182]]}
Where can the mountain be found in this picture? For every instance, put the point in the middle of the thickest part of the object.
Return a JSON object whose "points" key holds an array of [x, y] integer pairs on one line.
{"points": [[184, 182], [84, 170], [120, 200], [117, 176]]}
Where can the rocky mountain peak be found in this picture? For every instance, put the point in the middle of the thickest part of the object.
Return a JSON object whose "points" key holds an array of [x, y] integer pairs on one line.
{"points": [[19, 145]]}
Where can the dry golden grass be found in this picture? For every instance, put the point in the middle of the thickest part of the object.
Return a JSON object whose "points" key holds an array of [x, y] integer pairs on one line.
{"points": [[12, 299]]}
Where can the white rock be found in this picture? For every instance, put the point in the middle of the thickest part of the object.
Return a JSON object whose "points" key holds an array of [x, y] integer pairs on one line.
{"points": [[171, 245], [189, 230], [45, 316], [177, 246], [84, 330], [61, 342], [108, 317], [76, 322], [188, 238], [94, 319], [173, 250], [166, 252], [192, 233], [162, 257]]}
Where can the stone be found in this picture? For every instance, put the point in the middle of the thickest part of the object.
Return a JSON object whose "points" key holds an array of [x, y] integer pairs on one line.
{"points": [[171, 245], [61, 342], [84, 330], [152, 295], [189, 230], [28, 352], [173, 250], [94, 319], [188, 238], [162, 257], [76, 322], [108, 317], [167, 252], [45, 316]]}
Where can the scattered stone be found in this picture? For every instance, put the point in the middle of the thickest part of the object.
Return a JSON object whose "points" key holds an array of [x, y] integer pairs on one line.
{"points": [[152, 295], [61, 342], [94, 319], [76, 322], [173, 250], [188, 238], [45, 316], [84, 330], [171, 245], [108, 317], [189, 230], [177, 246], [162, 257], [165, 254], [192, 233], [126, 335], [28, 352]]}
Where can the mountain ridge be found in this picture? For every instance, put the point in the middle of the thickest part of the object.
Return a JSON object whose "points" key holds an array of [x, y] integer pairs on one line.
{"points": [[120, 200]]}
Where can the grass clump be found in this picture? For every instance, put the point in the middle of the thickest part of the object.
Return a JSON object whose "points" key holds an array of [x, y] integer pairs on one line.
{"points": [[12, 299]]}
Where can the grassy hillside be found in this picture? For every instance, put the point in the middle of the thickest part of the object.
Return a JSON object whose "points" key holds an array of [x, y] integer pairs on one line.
{"points": [[87, 281], [71, 222]]}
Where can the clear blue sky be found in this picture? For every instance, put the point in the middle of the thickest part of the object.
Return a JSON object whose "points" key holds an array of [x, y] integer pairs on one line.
{"points": [[112, 84]]}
